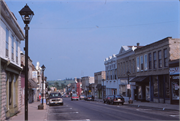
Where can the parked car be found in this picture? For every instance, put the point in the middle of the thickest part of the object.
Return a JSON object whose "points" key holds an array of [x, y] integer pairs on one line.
{"points": [[89, 98], [55, 98], [115, 99], [74, 97], [82, 97], [105, 98]]}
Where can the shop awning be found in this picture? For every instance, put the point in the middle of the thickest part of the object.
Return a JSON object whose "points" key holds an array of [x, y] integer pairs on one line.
{"points": [[32, 84], [139, 79]]}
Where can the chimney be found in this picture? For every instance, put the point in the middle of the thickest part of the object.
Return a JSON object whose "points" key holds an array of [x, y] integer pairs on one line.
{"points": [[137, 44]]}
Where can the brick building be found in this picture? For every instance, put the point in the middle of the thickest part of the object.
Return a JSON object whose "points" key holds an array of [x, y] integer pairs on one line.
{"points": [[152, 70]]}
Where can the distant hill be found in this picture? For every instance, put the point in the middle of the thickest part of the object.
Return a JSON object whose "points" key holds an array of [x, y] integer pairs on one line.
{"points": [[65, 82]]}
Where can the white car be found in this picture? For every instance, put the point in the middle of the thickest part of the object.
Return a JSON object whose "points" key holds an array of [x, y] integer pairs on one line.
{"points": [[55, 98]]}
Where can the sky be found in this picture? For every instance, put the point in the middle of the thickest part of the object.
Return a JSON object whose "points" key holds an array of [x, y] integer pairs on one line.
{"points": [[72, 38]]}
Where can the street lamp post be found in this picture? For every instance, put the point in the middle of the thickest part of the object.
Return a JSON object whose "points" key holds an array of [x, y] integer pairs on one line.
{"points": [[43, 88], [103, 89], [128, 73], [26, 14]]}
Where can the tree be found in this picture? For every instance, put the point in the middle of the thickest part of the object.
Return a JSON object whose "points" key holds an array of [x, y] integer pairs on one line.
{"points": [[56, 84], [63, 86]]}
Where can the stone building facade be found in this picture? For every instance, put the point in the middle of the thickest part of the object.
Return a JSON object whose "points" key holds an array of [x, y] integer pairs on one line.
{"points": [[11, 36], [111, 75], [152, 69], [126, 63], [99, 78]]}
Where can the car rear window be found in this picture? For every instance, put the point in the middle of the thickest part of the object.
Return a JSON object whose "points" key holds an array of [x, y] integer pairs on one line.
{"points": [[74, 95], [118, 96]]}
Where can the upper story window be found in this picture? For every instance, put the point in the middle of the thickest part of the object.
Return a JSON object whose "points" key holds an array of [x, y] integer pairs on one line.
{"points": [[159, 59], [12, 47], [145, 62], [150, 62], [142, 67], [7, 42], [165, 58], [16, 51], [130, 66], [137, 63], [154, 60]]}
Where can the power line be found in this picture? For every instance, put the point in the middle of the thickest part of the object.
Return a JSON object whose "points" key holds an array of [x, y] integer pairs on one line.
{"points": [[99, 27]]}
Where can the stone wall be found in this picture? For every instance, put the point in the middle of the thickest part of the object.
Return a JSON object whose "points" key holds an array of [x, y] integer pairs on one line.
{"points": [[3, 95]]}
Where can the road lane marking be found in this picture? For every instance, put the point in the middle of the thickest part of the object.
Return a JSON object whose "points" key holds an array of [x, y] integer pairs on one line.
{"points": [[173, 115], [118, 106], [87, 119], [70, 108]]}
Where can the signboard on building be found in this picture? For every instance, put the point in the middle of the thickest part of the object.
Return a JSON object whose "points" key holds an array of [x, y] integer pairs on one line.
{"points": [[34, 74], [173, 71]]}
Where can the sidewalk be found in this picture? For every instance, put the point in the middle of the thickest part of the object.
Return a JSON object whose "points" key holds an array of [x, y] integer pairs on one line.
{"points": [[33, 113], [152, 105]]}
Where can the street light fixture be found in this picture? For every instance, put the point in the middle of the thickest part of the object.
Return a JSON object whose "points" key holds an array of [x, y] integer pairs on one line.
{"points": [[43, 87], [128, 73], [26, 14]]}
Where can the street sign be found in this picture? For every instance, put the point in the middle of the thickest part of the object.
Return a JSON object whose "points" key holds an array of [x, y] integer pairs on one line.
{"points": [[128, 86]]}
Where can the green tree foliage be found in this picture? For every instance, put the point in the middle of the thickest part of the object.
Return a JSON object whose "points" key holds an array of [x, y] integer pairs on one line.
{"points": [[56, 84]]}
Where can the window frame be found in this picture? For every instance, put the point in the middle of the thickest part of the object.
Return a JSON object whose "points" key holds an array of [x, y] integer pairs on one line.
{"points": [[160, 58], [12, 45], [154, 60], [145, 62], [165, 57], [137, 64], [7, 42], [141, 63], [150, 61]]}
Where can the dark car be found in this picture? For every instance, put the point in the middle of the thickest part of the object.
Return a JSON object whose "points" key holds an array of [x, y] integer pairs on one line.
{"points": [[55, 98], [105, 99], [89, 98], [115, 99]]}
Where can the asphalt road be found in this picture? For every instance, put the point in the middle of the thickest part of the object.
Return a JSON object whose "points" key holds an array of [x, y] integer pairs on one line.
{"points": [[92, 110]]}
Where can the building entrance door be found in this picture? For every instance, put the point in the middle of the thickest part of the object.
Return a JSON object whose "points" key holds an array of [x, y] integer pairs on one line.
{"points": [[147, 93]]}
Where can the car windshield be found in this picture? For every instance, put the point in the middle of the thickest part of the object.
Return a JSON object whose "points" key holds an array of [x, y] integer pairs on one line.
{"points": [[55, 95]]}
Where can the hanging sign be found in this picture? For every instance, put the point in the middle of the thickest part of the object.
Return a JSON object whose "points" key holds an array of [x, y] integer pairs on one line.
{"points": [[128, 86]]}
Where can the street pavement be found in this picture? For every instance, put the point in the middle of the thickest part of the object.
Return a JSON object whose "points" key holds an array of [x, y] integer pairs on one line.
{"points": [[33, 113], [96, 110]]}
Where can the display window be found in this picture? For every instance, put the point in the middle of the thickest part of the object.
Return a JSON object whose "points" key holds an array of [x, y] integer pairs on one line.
{"points": [[175, 90]]}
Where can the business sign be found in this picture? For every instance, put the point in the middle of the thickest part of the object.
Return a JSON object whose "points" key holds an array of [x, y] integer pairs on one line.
{"points": [[173, 71], [128, 86], [34, 74]]}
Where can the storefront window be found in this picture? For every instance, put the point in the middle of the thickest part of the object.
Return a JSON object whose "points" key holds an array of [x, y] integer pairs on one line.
{"points": [[175, 90], [155, 87], [139, 92], [122, 90]]}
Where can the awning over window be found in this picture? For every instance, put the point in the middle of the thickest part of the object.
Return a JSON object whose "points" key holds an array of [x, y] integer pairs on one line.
{"points": [[32, 84], [139, 79]]}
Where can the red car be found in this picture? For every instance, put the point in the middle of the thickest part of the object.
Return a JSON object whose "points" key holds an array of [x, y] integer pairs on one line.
{"points": [[74, 97]]}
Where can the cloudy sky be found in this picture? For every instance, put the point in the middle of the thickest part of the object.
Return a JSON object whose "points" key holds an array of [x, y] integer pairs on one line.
{"points": [[73, 37]]}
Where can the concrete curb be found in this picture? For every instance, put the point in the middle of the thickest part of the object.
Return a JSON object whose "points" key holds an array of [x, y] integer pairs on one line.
{"points": [[147, 107], [150, 107]]}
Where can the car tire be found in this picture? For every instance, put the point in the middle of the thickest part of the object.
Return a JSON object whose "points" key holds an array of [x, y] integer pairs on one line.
{"points": [[61, 103], [104, 101], [122, 103]]}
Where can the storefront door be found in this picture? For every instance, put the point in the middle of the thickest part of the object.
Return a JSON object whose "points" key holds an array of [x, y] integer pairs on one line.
{"points": [[147, 93]]}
